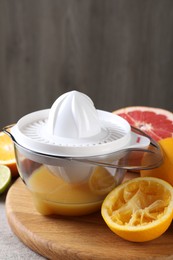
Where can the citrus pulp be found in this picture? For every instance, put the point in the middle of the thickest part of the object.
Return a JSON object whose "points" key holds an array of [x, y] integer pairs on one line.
{"points": [[156, 122], [140, 209], [7, 155]]}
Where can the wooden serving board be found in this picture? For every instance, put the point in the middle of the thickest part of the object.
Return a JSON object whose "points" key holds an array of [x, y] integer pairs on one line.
{"points": [[86, 237]]}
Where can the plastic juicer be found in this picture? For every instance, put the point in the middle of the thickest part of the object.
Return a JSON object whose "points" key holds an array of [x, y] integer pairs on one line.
{"points": [[76, 154]]}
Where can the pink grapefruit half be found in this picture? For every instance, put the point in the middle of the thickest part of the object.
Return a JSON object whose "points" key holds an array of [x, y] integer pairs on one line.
{"points": [[156, 122]]}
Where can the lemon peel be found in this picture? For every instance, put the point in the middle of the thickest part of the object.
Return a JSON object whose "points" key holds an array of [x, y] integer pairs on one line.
{"points": [[140, 209]]}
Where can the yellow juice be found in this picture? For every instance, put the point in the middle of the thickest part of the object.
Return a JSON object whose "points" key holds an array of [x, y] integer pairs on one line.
{"points": [[52, 195]]}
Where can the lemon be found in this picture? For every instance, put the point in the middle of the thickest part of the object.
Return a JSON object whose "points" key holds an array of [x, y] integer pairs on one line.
{"points": [[140, 209], [5, 178], [7, 154], [165, 171]]}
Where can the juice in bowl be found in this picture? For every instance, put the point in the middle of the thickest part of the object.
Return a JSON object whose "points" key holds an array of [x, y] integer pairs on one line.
{"points": [[54, 193], [71, 155], [61, 197]]}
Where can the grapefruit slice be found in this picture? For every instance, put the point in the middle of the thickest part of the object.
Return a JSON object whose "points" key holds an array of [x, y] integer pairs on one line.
{"points": [[156, 122]]}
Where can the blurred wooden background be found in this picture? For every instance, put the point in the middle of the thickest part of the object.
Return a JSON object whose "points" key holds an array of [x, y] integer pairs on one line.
{"points": [[119, 52]]}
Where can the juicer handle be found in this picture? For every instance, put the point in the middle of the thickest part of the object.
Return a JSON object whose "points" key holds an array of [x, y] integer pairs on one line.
{"points": [[131, 157]]}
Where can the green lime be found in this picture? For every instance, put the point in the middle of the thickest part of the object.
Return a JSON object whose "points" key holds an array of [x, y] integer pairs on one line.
{"points": [[5, 178]]}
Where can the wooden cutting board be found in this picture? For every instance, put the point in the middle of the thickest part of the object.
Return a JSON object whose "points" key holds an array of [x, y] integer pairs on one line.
{"points": [[71, 238]]}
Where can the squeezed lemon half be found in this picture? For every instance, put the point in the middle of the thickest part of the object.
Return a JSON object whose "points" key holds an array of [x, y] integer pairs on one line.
{"points": [[140, 209], [7, 154]]}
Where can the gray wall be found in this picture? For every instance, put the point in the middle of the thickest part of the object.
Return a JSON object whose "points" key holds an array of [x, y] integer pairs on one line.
{"points": [[119, 52]]}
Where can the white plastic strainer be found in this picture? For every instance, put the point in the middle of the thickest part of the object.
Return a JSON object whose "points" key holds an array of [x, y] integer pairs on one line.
{"points": [[73, 127]]}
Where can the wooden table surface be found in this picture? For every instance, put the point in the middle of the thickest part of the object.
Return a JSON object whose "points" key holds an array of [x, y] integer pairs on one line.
{"points": [[10, 246], [85, 237]]}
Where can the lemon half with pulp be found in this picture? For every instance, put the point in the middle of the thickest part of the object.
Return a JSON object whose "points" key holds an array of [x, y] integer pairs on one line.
{"points": [[140, 209]]}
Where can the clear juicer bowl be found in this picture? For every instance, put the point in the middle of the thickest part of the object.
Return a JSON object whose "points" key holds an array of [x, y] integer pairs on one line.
{"points": [[53, 193], [55, 188]]}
